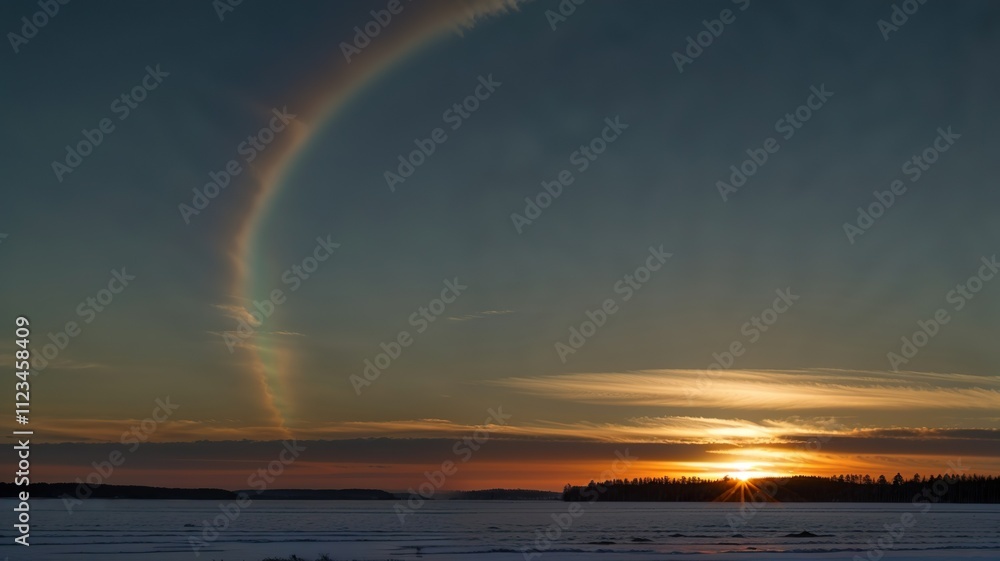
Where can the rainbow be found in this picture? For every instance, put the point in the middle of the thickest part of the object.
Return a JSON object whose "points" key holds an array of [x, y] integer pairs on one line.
{"points": [[416, 25]]}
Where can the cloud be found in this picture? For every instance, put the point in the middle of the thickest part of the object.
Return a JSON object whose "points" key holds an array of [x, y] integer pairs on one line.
{"points": [[83, 430], [538, 463], [59, 363], [238, 339], [769, 389], [663, 430], [234, 312], [467, 13], [481, 315]]}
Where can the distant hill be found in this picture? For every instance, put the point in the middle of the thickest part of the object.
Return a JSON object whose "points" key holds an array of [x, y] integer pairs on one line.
{"points": [[57, 490], [504, 495], [321, 495]]}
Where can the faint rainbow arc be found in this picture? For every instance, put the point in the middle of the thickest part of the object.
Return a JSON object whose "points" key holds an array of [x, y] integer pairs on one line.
{"points": [[323, 107]]}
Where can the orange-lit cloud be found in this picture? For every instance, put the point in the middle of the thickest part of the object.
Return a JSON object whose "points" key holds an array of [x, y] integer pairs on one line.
{"points": [[397, 463], [770, 390], [690, 430]]}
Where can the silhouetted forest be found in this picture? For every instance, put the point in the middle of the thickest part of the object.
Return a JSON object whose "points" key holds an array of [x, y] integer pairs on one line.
{"points": [[840, 488]]}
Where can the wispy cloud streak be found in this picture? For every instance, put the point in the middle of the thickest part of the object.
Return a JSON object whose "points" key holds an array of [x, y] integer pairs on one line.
{"points": [[769, 390]]}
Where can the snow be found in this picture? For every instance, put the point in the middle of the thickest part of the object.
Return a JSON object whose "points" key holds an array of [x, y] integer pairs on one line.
{"points": [[507, 531]]}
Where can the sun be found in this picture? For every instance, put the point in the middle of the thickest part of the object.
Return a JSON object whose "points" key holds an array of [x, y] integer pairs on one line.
{"points": [[744, 471]]}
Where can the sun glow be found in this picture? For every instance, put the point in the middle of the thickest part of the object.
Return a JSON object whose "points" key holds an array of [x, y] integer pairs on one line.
{"points": [[744, 471]]}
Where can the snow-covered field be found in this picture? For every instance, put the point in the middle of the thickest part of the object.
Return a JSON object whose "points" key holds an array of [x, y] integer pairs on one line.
{"points": [[505, 531]]}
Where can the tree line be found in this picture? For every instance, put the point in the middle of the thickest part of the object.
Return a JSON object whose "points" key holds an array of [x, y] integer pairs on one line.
{"points": [[839, 488]]}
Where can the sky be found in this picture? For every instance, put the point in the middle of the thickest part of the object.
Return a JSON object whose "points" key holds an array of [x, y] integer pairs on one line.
{"points": [[770, 250]]}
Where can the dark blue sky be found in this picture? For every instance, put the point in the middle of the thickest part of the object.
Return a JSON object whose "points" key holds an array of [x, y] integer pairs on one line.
{"points": [[655, 185]]}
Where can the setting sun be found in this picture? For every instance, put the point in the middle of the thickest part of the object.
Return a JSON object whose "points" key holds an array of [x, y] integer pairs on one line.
{"points": [[744, 471]]}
